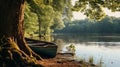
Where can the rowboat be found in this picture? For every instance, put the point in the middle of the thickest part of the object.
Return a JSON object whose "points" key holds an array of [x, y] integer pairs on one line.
{"points": [[42, 48]]}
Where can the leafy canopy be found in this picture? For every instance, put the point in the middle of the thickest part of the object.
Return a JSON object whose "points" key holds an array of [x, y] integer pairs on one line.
{"points": [[47, 15], [94, 8]]}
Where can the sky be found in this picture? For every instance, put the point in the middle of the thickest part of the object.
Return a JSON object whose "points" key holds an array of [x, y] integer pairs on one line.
{"points": [[78, 15]]}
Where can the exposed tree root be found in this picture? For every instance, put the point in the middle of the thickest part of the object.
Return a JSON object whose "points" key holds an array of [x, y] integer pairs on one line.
{"points": [[36, 56], [11, 55], [16, 58]]}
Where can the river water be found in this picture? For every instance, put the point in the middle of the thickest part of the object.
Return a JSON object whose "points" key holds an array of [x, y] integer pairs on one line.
{"points": [[104, 47]]}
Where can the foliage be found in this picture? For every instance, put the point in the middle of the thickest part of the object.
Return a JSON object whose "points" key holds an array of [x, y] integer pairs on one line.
{"points": [[50, 15], [46, 14], [31, 21], [71, 48], [58, 23], [93, 8], [105, 26]]}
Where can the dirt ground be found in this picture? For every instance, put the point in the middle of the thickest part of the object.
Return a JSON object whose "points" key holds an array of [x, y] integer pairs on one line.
{"points": [[64, 61]]}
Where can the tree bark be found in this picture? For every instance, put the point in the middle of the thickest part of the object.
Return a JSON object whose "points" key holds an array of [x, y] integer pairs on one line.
{"points": [[13, 47]]}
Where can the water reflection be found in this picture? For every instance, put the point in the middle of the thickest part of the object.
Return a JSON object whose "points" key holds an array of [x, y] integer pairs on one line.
{"points": [[87, 38], [105, 48]]}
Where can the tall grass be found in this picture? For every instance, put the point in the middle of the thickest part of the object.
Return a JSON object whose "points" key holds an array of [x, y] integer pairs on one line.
{"points": [[91, 60]]}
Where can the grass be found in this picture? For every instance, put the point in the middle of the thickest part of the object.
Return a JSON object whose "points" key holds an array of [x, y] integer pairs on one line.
{"points": [[90, 62], [100, 63]]}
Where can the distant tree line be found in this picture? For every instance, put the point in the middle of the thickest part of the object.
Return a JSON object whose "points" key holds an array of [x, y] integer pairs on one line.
{"points": [[105, 26]]}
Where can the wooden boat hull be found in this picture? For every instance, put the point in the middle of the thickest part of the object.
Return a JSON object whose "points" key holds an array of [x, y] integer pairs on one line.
{"points": [[45, 52], [43, 48]]}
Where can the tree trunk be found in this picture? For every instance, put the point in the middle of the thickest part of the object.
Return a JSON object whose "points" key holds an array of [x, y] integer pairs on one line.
{"points": [[13, 47]]}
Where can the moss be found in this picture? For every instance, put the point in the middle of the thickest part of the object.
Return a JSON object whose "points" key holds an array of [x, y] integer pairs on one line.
{"points": [[16, 58], [11, 55]]}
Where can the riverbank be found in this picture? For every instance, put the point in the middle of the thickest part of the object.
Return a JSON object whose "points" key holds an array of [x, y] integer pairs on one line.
{"points": [[62, 60]]}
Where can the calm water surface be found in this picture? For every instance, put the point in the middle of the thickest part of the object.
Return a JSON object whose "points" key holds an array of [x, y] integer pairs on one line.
{"points": [[105, 47]]}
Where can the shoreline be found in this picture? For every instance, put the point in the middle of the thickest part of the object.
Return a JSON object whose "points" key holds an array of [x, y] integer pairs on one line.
{"points": [[62, 60]]}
